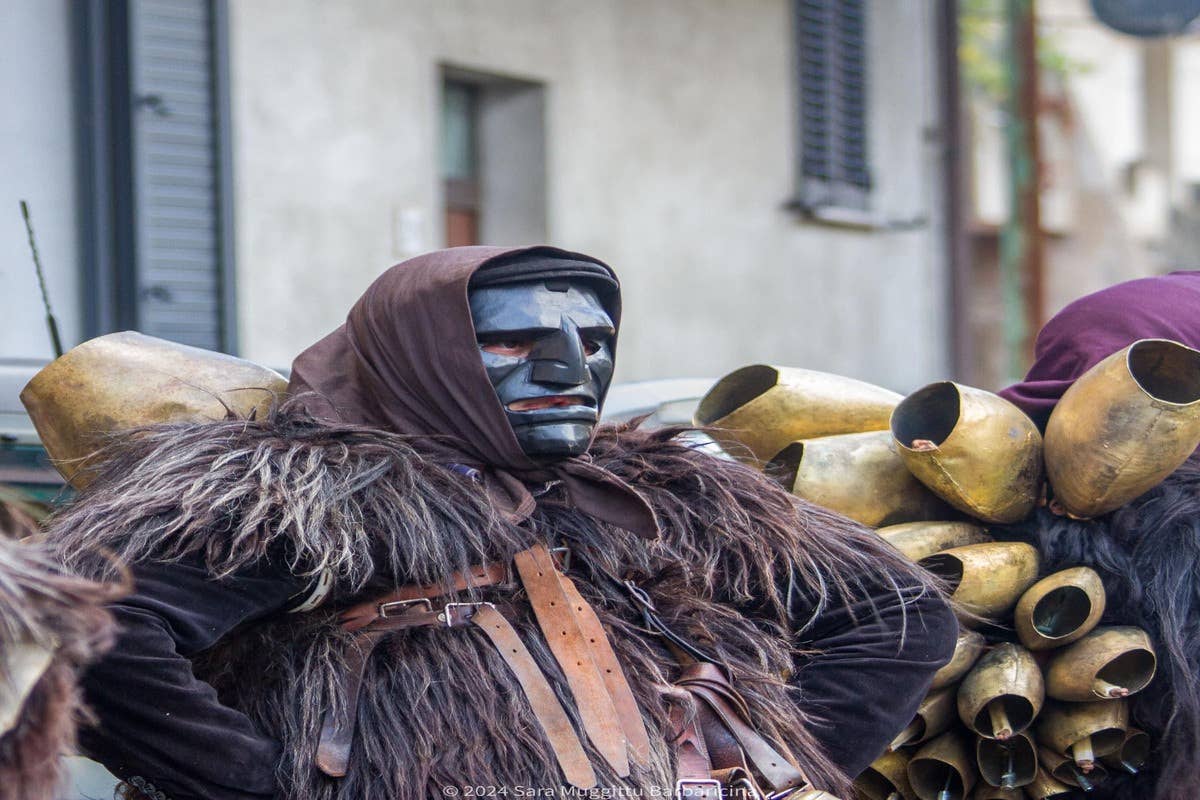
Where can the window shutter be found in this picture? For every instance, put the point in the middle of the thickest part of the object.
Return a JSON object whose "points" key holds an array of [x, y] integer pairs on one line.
{"points": [[176, 179], [830, 38]]}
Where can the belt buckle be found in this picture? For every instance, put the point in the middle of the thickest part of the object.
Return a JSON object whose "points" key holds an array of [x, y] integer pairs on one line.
{"points": [[402, 605], [562, 557], [706, 783], [447, 613]]}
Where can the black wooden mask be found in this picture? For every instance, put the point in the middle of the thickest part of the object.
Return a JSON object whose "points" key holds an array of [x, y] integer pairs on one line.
{"points": [[547, 346]]}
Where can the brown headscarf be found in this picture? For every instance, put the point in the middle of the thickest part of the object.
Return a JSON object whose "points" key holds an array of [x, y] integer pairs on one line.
{"points": [[406, 359]]}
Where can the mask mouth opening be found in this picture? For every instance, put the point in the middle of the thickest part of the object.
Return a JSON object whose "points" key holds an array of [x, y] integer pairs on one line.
{"points": [[544, 402], [1166, 370], [734, 391]]}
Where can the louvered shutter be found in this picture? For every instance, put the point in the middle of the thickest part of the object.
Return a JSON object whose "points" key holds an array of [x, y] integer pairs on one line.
{"points": [[834, 170], [176, 205]]}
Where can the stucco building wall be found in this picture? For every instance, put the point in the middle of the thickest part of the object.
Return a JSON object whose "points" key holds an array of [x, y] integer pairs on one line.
{"points": [[670, 132]]}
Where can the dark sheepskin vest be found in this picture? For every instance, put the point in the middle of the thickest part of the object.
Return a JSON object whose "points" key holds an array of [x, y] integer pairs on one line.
{"points": [[439, 707], [1148, 554]]}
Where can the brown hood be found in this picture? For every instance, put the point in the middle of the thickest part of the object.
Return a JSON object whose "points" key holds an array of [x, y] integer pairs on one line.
{"points": [[406, 360]]}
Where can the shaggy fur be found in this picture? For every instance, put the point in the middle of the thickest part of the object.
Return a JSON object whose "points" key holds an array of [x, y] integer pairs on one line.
{"points": [[39, 603], [1148, 553], [439, 707]]}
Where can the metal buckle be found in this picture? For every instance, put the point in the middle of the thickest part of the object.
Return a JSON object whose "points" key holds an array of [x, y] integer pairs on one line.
{"points": [[751, 789], [396, 605], [564, 560], [707, 783], [447, 613]]}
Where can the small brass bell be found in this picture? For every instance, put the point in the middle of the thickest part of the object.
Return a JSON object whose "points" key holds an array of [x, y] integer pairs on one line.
{"points": [[967, 649], [1107, 663], [943, 769], [886, 779], [1070, 773], [859, 475], [1060, 608], [1007, 764], [986, 579], [1124, 426], [934, 716], [756, 411], [1002, 694], [1131, 756], [916, 540], [976, 450], [1084, 731]]}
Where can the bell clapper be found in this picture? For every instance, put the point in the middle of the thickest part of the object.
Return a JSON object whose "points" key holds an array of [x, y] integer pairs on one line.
{"points": [[1128, 767], [894, 796], [1009, 779], [1084, 782], [1002, 729], [922, 445], [1106, 689], [906, 736], [1081, 754], [945, 793]]}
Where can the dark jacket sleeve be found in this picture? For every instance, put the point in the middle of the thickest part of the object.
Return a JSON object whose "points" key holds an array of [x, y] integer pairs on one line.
{"points": [[158, 721], [873, 657]]}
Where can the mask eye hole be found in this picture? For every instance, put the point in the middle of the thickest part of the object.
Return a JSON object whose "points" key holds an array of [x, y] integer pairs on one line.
{"points": [[591, 346], [514, 348]]}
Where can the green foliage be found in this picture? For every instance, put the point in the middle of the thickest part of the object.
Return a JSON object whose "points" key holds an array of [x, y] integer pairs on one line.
{"points": [[984, 55]]}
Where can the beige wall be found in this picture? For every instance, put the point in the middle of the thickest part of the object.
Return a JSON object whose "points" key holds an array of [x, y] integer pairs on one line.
{"points": [[669, 155]]}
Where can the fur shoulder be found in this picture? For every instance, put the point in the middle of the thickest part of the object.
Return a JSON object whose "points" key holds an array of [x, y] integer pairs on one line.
{"points": [[232, 490]]}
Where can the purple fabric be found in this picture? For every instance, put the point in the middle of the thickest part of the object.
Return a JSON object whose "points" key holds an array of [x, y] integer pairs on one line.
{"points": [[1096, 326]]}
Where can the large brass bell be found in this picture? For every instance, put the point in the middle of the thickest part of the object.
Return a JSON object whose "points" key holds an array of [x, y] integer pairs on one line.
{"points": [[1060, 608], [756, 411], [967, 649], [1067, 771], [1131, 756], [986, 579], [886, 779], [1046, 787], [859, 475], [1084, 731], [1002, 694], [916, 540], [976, 450], [127, 380], [1107, 663], [934, 716], [942, 769], [1008, 764], [1124, 426]]}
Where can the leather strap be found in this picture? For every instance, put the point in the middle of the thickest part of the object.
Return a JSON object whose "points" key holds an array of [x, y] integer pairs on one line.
{"points": [[693, 766], [337, 730], [629, 714], [560, 626], [731, 720], [568, 750], [363, 614]]}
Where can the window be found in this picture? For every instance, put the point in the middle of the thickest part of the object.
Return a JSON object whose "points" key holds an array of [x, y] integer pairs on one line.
{"points": [[493, 159], [157, 220], [831, 62]]}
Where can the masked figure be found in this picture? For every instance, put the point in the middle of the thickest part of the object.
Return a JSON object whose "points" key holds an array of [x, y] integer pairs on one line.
{"points": [[431, 568], [1147, 551]]}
